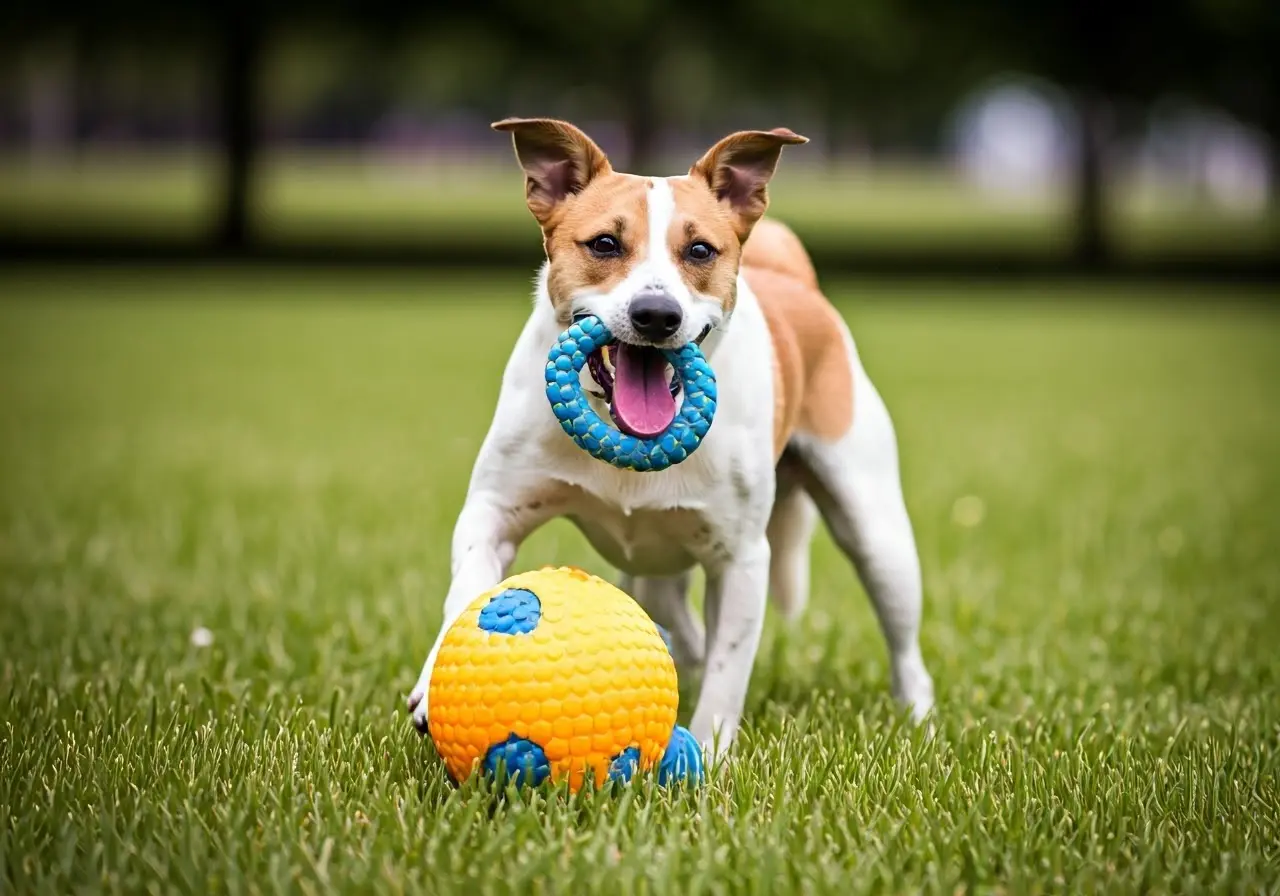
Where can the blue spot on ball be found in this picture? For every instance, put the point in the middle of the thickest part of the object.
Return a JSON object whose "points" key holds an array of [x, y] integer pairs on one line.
{"points": [[682, 762], [518, 760], [513, 612], [624, 765]]}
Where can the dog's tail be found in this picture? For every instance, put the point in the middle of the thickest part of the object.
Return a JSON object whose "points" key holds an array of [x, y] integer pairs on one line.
{"points": [[773, 246]]}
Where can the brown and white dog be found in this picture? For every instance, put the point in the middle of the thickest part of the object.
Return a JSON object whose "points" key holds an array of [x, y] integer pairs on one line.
{"points": [[800, 431]]}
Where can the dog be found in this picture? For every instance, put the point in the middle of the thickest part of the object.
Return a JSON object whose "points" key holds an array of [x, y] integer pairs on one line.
{"points": [[800, 431]]}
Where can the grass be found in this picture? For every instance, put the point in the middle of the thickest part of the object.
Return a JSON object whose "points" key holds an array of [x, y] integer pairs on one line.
{"points": [[887, 208], [278, 457]]}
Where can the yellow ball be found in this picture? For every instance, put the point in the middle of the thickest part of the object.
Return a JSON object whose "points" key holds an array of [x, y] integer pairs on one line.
{"points": [[555, 674]]}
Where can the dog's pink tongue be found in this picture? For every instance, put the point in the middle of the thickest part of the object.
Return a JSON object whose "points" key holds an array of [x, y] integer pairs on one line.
{"points": [[642, 401]]}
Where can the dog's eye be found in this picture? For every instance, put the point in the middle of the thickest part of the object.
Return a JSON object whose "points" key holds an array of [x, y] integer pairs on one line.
{"points": [[604, 246], [700, 251]]}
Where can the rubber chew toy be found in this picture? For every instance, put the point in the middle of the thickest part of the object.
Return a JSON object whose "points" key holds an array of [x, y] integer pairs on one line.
{"points": [[604, 441]]}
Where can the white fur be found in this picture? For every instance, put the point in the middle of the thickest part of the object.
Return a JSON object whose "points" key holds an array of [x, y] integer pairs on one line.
{"points": [[790, 533], [716, 510], [856, 485]]}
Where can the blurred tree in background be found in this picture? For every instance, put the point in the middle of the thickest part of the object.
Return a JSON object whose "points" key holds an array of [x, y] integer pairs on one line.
{"points": [[1114, 60]]}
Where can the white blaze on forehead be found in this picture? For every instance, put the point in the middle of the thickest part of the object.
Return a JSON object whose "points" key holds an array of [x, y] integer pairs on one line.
{"points": [[661, 270]]}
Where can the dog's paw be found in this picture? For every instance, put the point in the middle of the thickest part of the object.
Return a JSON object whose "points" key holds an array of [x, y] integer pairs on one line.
{"points": [[418, 708], [913, 688], [716, 740]]}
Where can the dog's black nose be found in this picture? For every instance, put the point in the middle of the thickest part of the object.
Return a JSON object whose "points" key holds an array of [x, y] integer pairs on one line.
{"points": [[655, 315]]}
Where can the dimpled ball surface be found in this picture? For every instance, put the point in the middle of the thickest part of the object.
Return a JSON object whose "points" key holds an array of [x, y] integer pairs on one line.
{"points": [[555, 674]]}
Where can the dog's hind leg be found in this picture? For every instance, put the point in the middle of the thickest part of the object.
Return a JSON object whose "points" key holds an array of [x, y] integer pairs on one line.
{"points": [[855, 482], [666, 600], [790, 534]]}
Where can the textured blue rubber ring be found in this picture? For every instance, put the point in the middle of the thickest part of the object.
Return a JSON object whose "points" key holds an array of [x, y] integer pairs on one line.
{"points": [[606, 442]]}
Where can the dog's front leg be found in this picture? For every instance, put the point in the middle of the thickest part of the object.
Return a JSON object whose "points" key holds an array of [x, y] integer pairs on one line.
{"points": [[736, 594], [485, 540]]}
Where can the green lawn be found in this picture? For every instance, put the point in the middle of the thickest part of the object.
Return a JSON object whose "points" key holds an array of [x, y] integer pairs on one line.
{"points": [[886, 208], [278, 456]]}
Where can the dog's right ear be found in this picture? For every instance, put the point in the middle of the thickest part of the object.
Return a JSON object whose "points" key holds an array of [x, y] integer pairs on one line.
{"points": [[558, 160]]}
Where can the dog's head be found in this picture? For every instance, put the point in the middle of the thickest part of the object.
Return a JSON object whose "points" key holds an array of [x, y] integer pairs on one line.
{"points": [[655, 258]]}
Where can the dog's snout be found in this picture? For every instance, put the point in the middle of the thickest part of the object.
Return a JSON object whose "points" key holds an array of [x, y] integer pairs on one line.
{"points": [[655, 315]]}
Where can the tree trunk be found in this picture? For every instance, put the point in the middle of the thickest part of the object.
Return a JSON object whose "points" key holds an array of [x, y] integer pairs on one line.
{"points": [[240, 66], [1091, 249]]}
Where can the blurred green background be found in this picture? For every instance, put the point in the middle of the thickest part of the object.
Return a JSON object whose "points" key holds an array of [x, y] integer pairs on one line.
{"points": [[985, 135]]}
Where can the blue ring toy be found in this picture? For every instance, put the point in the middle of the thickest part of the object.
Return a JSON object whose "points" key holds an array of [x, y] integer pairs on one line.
{"points": [[606, 442]]}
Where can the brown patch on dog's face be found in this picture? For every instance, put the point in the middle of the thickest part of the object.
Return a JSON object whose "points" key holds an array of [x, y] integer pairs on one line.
{"points": [[610, 214], [702, 222], [720, 202], [594, 220]]}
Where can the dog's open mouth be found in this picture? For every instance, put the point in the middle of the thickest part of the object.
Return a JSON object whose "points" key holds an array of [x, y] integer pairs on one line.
{"points": [[639, 385]]}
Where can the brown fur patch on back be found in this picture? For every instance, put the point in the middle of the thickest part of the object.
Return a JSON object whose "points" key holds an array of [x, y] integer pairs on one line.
{"points": [[613, 204], [813, 376], [774, 246]]}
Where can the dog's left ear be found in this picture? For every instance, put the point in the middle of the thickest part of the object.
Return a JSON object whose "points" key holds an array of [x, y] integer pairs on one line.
{"points": [[558, 160], [738, 170]]}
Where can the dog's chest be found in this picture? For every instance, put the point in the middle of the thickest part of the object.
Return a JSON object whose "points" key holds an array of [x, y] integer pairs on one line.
{"points": [[645, 542], [659, 524]]}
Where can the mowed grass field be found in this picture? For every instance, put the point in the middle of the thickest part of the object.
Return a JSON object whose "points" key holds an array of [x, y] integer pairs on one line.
{"points": [[888, 207], [278, 457]]}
